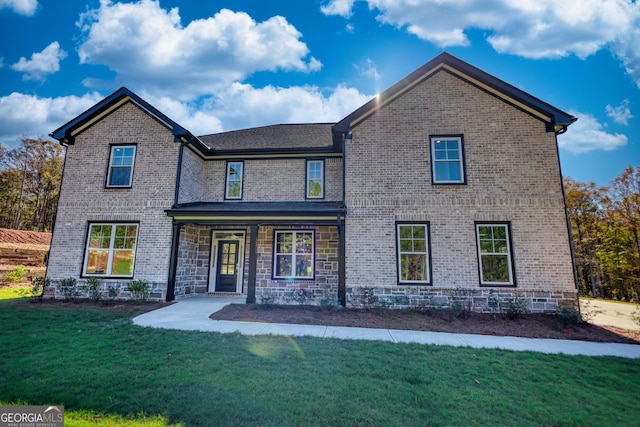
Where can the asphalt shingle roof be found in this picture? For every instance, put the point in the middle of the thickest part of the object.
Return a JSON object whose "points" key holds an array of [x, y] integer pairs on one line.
{"points": [[288, 136]]}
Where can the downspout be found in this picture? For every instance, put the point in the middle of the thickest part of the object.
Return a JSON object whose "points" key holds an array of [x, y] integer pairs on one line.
{"points": [[342, 286]]}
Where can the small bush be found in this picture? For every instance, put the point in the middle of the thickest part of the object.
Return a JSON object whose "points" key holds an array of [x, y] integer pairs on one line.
{"points": [[112, 293], [68, 288], [267, 298], [364, 297], [93, 287], [140, 290], [330, 303], [301, 296], [568, 316], [516, 306], [17, 274], [461, 303]]}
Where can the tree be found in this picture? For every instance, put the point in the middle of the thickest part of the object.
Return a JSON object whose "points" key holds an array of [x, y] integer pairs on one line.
{"points": [[605, 229], [30, 178]]}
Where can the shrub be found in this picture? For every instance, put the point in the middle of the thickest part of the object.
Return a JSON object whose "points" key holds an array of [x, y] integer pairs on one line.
{"points": [[516, 306], [460, 303], [301, 296], [364, 297], [140, 290], [17, 274], [568, 316], [330, 303], [68, 288], [112, 293], [267, 298], [92, 287]]}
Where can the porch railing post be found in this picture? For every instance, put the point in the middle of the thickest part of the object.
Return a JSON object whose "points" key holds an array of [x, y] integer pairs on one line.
{"points": [[173, 262], [253, 260]]}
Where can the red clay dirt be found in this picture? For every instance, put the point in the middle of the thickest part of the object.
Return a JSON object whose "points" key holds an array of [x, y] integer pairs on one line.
{"points": [[24, 237]]}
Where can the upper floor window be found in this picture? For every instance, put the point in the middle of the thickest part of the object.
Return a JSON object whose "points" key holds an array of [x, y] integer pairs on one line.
{"points": [[293, 255], [121, 162], [413, 253], [234, 180], [494, 252], [315, 179], [447, 160], [111, 250]]}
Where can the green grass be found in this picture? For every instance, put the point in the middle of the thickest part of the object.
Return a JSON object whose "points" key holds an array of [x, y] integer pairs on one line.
{"points": [[100, 363], [8, 294]]}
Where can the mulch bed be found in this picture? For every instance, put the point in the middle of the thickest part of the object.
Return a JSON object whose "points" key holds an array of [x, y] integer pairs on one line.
{"points": [[531, 326]]}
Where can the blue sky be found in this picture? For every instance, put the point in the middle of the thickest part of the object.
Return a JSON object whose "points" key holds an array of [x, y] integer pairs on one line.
{"points": [[222, 65]]}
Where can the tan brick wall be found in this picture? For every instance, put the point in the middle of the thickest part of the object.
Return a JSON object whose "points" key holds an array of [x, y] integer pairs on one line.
{"points": [[191, 177], [512, 175], [272, 180], [83, 197]]}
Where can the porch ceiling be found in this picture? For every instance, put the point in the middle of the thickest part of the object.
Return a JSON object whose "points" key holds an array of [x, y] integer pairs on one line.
{"points": [[258, 212]]}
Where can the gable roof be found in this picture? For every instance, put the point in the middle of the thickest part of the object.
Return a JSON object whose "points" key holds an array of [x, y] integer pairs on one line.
{"points": [[66, 133], [555, 119], [283, 138]]}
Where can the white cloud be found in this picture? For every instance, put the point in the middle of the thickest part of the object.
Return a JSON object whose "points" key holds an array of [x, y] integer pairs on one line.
{"points": [[243, 106], [338, 7], [23, 7], [237, 106], [527, 28], [34, 116], [41, 63], [368, 69], [620, 114], [149, 47], [587, 135]]}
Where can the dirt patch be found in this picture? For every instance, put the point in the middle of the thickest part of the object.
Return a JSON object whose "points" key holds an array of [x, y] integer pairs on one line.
{"points": [[82, 304], [24, 237], [531, 326]]}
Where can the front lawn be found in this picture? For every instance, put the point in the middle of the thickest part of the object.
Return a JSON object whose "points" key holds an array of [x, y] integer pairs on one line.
{"points": [[99, 363]]}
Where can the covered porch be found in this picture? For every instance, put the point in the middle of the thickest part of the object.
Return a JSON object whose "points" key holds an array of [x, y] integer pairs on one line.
{"points": [[262, 251]]}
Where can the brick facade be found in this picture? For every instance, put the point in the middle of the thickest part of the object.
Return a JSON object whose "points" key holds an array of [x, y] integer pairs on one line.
{"points": [[84, 198], [512, 174]]}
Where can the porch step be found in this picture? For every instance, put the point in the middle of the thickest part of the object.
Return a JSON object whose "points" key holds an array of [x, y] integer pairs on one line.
{"points": [[225, 294]]}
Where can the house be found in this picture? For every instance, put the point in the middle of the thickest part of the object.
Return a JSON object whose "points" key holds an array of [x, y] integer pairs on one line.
{"points": [[446, 185]]}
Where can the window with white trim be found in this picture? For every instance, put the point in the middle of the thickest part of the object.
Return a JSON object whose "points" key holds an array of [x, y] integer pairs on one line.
{"points": [[234, 180], [494, 253], [111, 250], [315, 179], [413, 253], [447, 160], [293, 254], [121, 160]]}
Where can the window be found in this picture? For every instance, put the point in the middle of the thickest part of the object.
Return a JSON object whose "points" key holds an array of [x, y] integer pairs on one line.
{"points": [[447, 160], [121, 166], [494, 252], [234, 180], [315, 179], [293, 255], [413, 253], [111, 250]]}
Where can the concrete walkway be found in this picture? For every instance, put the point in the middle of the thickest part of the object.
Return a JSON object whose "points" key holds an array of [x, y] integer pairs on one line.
{"points": [[192, 314]]}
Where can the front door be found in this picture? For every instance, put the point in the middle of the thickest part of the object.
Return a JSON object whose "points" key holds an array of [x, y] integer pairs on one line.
{"points": [[227, 262]]}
